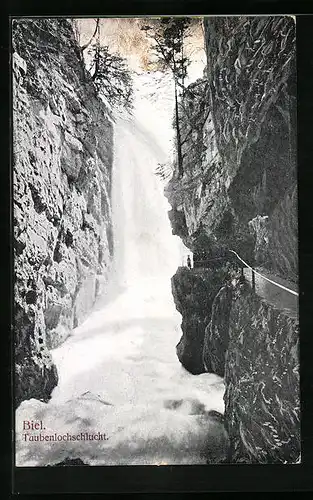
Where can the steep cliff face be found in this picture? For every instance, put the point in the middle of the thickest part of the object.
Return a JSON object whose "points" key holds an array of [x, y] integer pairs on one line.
{"points": [[239, 143], [262, 398], [239, 191], [62, 159]]}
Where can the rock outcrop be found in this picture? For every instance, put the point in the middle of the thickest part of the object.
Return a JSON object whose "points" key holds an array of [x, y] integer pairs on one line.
{"points": [[193, 294], [62, 160], [69, 462], [238, 192]]}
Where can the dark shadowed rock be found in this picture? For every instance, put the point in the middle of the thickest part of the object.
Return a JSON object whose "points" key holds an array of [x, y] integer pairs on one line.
{"points": [[193, 293], [216, 444], [69, 462]]}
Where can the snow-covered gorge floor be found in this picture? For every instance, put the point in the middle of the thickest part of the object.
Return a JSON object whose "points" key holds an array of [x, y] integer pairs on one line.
{"points": [[118, 371]]}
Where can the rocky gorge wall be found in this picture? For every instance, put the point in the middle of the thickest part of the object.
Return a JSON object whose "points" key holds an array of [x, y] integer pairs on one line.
{"points": [[238, 125], [62, 161], [262, 397], [238, 192]]}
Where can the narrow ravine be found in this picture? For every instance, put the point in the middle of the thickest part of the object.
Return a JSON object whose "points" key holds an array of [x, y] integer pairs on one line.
{"points": [[118, 372]]}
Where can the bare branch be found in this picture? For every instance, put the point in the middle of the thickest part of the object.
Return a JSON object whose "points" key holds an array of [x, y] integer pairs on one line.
{"points": [[93, 36]]}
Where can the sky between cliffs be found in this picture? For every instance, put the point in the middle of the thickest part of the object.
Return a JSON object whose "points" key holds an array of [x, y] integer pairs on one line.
{"points": [[124, 36]]}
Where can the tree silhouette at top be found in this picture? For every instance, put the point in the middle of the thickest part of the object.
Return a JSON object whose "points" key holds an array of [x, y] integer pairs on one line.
{"points": [[168, 35], [111, 77]]}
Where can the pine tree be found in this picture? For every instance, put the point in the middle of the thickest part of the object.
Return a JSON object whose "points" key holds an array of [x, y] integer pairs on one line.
{"points": [[111, 76], [168, 35], [109, 72]]}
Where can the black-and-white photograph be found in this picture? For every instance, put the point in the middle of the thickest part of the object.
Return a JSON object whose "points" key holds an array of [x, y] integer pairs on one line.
{"points": [[155, 233]]}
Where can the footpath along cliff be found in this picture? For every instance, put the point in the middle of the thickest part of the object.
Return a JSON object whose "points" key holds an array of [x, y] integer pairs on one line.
{"points": [[238, 192], [62, 161]]}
